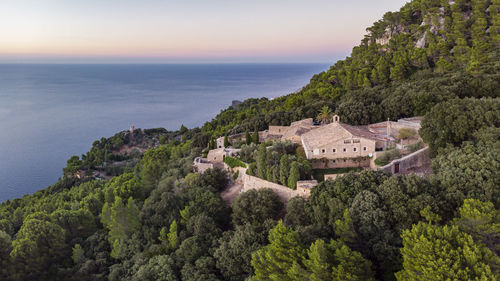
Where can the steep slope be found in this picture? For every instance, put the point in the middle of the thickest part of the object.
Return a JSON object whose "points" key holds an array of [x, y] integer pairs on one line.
{"points": [[428, 52]]}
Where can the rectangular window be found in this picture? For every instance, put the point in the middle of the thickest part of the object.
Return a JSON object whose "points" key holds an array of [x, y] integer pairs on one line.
{"points": [[364, 148], [334, 150], [355, 141], [323, 151], [355, 149], [347, 141], [345, 149]]}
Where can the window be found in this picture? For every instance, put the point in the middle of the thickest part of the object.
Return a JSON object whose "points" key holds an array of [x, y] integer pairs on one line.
{"points": [[364, 148], [333, 161], [334, 150], [355, 141], [355, 149], [345, 160], [347, 141], [323, 151], [345, 149]]}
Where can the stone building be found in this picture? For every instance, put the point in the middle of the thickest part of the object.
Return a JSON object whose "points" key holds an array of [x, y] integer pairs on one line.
{"points": [[220, 142], [218, 155], [342, 145], [304, 186], [200, 165], [293, 132]]}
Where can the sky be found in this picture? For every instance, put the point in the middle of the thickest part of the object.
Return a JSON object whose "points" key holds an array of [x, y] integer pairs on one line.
{"points": [[184, 31]]}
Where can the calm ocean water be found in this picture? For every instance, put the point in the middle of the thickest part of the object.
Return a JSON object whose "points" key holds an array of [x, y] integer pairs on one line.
{"points": [[51, 112]]}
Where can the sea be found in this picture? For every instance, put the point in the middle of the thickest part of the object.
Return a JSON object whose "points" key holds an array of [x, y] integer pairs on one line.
{"points": [[49, 112]]}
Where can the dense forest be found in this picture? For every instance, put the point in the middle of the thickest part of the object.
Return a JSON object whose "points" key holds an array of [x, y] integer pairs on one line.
{"points": [[157, 220]]}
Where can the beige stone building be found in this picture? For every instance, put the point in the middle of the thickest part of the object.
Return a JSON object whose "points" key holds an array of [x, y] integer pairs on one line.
{"points": [[218, 155], [220, 142], [304, 187], [342, 145], [293, 132]]}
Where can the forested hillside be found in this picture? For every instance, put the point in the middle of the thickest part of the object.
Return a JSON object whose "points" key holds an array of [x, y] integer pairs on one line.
{"points": [[159, 221], [428, 52]]}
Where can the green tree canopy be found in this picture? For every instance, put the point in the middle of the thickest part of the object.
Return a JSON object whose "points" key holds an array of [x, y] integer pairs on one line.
{"points": [[432, 252], [255, 206]]}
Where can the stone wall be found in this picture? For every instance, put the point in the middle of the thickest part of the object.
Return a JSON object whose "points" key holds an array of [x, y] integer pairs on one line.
{"points": [[202, 167], [278, 130], [333, 176], [216, 155], [339, 163], [285, 193], [409, 163]]}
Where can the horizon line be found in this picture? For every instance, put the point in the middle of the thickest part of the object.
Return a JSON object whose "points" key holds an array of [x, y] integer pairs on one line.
{"points": [[165, 63]]}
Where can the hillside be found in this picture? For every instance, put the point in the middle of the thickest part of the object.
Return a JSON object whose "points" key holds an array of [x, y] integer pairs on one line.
{"points": [[426, 53], [157, 220]]}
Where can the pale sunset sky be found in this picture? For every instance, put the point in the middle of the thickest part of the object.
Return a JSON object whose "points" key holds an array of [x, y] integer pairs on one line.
{"points": [[184, 31]]}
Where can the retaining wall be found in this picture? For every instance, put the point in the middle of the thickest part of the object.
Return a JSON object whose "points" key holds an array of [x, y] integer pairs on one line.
{"points": [[419, 158], [285, 193]]}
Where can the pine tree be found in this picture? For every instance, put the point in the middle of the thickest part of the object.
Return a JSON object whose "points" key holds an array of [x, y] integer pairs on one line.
{"points": [[123, 222], [248, 139], [212, 144], [172, 237], [432, 252], [333, 261], [319, 261], [349, 264], [382, 70], [294, 175], [275, 174], [261, 161], [78, 254], [169, 240], [269, 174], [398, 71], [284, 169], [274, 261], [255, 136]]}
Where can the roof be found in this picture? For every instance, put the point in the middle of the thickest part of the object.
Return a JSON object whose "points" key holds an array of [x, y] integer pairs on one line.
{"points": [[360, 131], [296, 131], [330, 133], [416, 119], [303, 122]]}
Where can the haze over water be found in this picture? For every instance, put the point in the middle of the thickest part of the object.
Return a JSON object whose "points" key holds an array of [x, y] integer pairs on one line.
{"points": [[50, 112]]}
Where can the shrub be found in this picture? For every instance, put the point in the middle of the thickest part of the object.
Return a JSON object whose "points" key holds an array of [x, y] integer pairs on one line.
{"points": [[251, 169], [406, 133], [386, 157], [415, 146], [234, 162], [235, 175]]}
